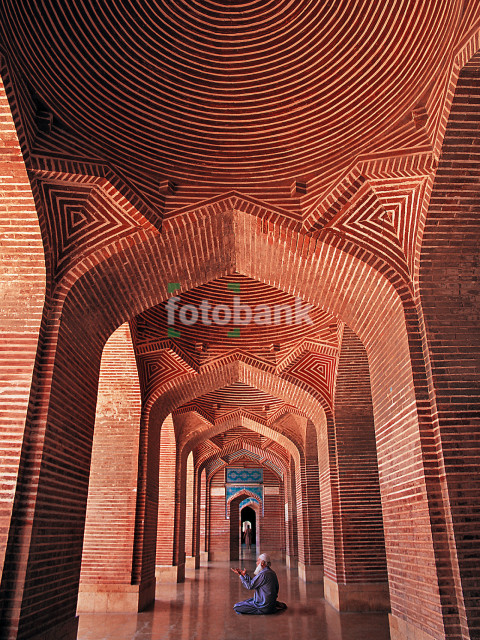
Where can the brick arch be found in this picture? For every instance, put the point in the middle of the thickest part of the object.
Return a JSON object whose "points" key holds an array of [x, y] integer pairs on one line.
{"points": [[244, 492], [192, 387], [288, 442], [136, 277], [233, 510], [248, 448]]}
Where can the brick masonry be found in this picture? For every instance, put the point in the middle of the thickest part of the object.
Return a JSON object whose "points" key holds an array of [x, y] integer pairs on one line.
{"points": [[116, 436]]}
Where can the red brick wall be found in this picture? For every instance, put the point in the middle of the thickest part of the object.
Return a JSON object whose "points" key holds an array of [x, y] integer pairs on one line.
{"points": [[203, 507], [450, 298], [234, 513], [292, 511], [110, 522], [311, 552], [271, 526]]}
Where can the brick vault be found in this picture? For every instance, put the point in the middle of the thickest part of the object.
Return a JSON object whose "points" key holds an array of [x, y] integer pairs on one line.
{"points": [[240, 269]]}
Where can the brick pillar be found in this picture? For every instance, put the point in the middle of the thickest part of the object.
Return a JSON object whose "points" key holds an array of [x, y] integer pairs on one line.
{"points": [[42, 564], [450, 297], [146, 514], [310, 553], [202, 517], [22, 296], [273, 522], [179, 556], [165, 571], [235, 527], [191, 560], [198, 516], [292, 549], [357, 580], [218, 525], [106, 576]]}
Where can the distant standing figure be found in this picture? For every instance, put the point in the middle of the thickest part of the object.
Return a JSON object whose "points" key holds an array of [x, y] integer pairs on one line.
{"points": [[265, 583], [248, 537]]}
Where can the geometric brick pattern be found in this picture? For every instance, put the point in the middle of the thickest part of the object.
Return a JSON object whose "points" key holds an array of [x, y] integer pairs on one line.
{"points": [[80, 219], [316, 371]]}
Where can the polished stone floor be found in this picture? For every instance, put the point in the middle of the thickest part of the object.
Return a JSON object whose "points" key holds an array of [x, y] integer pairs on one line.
{"points": [[201, 609]]}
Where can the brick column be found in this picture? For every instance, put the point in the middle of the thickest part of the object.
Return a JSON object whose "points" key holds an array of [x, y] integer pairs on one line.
{"points": [[106, 576], [146, 516], [219, 526], [22, 296], [198, 516], [165, 571], [191, 560], [292, 546], [356, 578], [310, 553], [235, 527], [179, 556], [202, 516], [450, 297]]}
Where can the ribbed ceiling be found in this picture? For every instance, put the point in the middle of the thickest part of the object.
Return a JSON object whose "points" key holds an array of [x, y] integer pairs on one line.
{"points": [[228, 93]]}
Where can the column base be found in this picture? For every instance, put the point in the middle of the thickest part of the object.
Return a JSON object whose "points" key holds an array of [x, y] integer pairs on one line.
{"points": [[400, 629], [358, 596], [291, 562], [192, 562], [310, 572], [115, 598], [167, 573], [219, 556], [203, 558], [64, 631]]}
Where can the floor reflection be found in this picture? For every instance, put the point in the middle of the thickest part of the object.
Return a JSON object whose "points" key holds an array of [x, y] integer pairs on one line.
{"points": [[201, 608]]}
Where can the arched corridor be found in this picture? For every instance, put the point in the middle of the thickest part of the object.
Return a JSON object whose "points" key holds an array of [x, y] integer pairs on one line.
{"points": [[239, 280]]}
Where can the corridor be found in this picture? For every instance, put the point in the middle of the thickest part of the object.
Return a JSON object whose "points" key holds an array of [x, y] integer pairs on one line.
{"points": [[201, 608]]}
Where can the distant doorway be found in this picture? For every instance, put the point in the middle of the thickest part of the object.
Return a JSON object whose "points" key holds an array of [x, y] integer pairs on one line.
{"points": [[248, 517]]}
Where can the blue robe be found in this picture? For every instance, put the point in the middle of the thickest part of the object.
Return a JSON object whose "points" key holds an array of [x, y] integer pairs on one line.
{"points": [[264, 601]]}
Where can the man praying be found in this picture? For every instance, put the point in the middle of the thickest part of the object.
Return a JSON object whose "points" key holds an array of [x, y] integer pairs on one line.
{"points": [[265, 583]]}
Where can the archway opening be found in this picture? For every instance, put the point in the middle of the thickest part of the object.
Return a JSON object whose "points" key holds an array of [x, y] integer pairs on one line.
{"points": [[248, 523]]}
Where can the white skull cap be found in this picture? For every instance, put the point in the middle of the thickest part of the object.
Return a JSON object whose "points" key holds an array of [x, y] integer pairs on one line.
{"points": [[265, 557]]}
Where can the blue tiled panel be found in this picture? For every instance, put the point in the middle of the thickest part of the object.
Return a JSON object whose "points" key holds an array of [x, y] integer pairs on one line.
{"points": [[244, 475], [245, 502]]}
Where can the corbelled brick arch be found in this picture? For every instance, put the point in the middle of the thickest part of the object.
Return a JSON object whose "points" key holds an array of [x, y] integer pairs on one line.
{"points": [[211, 430], [246, 445], [322, 274]]}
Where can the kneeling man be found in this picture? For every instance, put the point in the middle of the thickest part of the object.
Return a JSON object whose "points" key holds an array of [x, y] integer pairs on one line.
{"points": [[265, 583]]}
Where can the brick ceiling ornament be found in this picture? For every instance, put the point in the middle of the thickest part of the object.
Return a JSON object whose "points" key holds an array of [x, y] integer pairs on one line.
{"points": [[238, 399], [207, 340], [314, 371], [161, 370], [79, 220]]}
